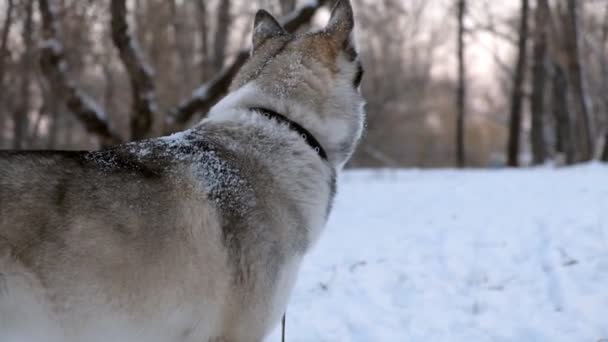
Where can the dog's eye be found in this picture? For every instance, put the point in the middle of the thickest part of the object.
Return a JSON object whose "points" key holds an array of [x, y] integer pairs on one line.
{"points": [[358, 76]]}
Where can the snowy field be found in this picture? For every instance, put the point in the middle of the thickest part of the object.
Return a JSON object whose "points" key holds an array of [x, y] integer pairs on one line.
{"points": [[504, 255]]}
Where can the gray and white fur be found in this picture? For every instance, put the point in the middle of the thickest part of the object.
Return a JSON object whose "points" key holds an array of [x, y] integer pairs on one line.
{"points": [[193, 237]]}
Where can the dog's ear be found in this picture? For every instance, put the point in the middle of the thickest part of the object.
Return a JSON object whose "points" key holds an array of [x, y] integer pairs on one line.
{"points": [[265, 26], [341, 26]]}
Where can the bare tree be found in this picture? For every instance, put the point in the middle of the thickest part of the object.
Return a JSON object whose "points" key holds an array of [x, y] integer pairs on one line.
{"points": [[605, 152], [539, 76], [287, 6], [517, 91], [582, 100], [604, 84], [461, 89], [55, 67], [204, 34], [53, 107], [140, 73], [6, 29], [181, 45], [224, 19], [209, 93], [20, 116], [204, 97], [411, 99], [565, 135], [4, 34]]}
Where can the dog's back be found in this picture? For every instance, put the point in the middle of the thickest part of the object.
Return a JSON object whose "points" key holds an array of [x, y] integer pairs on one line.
{"points": [[86, 235], [46, 196], [167, 239]]}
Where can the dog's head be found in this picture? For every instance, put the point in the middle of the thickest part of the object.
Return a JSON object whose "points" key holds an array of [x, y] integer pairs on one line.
{"points": [[312, 78]]}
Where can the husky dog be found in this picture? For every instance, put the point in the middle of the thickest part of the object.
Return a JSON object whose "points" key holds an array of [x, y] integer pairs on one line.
{"points": [[196, 236]]}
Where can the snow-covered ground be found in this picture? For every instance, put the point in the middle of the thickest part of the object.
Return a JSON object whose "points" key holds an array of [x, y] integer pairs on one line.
{"points": [[501, 255]]}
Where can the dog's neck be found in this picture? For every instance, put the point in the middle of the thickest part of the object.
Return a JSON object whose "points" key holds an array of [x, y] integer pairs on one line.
{"points": [[238, 106], [302, 132]]}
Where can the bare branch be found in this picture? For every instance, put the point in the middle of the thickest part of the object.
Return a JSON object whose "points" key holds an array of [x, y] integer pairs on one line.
{"points": [[494, 31], [140, 73], [203, 98], [296, 19], [55, 68], [477, 25]]}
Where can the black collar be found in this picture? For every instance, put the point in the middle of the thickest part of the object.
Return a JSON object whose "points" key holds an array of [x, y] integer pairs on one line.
{"points": [[302, 132]]}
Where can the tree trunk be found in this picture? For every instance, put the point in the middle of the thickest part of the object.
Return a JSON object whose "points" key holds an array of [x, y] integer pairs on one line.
{"points": [[539, 75], [605, 152], [603, 56], [582, 100], [54, 109], [182, 47], [517, 92], [287, 6], [565, 136], [55, 67], [145, 108], [461, 90], [20, 116], [6, 28], [204, 34], [605, 80], [224, 20]]}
